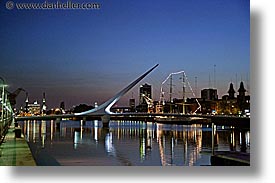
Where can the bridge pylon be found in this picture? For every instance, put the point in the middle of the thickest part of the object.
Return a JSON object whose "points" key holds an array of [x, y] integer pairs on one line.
{"points": [[104, 109]]}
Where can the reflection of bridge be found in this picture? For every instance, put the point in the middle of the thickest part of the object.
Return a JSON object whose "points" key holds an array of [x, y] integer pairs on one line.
{"points": [[103, 112], [160, 118], [175, 145]]}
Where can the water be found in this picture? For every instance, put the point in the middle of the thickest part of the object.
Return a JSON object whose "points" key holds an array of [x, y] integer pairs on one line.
{"points": [[128, 143]]}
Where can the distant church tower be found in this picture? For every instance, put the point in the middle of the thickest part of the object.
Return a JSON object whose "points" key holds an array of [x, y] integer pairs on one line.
{"points": [[44, 107], [241, 91], [231, 91], [241, 97]]}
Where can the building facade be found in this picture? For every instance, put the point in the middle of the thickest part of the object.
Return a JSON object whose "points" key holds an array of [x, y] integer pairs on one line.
{"points": [[145, 90], [209, 94]]}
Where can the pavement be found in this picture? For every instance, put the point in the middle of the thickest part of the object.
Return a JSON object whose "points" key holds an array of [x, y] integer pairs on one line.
{"points": [[15, 151], [230, 158]]}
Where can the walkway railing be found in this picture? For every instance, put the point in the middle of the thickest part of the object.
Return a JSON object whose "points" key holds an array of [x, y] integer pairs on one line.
{"points": [[6, 112]]}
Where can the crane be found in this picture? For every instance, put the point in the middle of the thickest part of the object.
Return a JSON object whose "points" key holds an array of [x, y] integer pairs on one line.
{"points": [[150, 103], [12, 96]]}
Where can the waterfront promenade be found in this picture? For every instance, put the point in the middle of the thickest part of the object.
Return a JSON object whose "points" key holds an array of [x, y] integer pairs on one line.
{"points": [[15, 151]]}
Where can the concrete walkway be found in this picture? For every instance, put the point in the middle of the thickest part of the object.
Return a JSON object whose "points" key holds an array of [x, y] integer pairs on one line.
{"points": [[15, 151], [230, 158]]}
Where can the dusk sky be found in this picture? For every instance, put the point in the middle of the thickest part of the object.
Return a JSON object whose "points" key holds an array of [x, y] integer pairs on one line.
{"points": [[83, 56]]}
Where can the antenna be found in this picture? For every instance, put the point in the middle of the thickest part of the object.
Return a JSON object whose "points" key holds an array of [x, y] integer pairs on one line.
{"points": [[214, 75], [209, 82]]}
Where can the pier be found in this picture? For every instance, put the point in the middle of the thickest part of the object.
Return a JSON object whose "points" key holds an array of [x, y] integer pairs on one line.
{"points": [[15, 151]]}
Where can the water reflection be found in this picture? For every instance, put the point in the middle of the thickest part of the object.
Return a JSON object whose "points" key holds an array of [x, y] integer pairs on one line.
{"points": [[43, 133], [130, 142], [180, 145], [109, 146]]}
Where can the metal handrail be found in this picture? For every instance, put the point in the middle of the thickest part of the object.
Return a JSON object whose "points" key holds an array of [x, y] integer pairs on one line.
{"points": [[6, 112]]}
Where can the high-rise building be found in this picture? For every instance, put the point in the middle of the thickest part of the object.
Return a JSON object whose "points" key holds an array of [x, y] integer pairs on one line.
{"points": [[146, 90], [209, 94], [132, 104]]}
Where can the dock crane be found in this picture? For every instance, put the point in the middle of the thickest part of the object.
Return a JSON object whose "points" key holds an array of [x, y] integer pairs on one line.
{"points": [[12, 96], [150, 103]]}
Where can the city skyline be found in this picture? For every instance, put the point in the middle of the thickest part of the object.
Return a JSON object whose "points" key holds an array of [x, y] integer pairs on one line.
{"points": [[130, 95], [87, 56]]}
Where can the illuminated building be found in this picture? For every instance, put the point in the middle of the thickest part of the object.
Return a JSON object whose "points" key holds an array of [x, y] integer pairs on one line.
{"points": [[242, 100], [44, 107], [229, 104], [144, 90], [34, 109]]}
